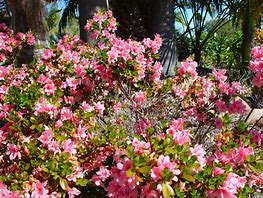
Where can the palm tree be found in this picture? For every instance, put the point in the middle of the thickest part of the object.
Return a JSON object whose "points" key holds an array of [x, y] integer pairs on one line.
{"points": [[248, 12], [195, 24]]}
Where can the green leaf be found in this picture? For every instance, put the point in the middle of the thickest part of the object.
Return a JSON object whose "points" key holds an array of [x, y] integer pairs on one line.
{"points": [[130, 173], [144, 169], [242, 126], [167, 190], [186, 174], [170, 150], [64, 184], [43, 168], [82, 182]]}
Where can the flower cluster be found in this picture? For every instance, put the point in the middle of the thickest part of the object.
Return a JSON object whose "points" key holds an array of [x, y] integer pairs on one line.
{"points": [[100, 117], [256, 66], [10, 44]]}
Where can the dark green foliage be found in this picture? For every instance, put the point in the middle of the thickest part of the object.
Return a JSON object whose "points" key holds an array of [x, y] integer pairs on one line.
{"points": [[224, 51]]}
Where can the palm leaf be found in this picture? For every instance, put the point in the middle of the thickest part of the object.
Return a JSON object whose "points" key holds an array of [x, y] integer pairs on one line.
{"points": [[71, 10]]}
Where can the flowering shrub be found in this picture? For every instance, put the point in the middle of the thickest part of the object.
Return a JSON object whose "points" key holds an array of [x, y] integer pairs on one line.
{"points": [[256, 66], [100, 116]]}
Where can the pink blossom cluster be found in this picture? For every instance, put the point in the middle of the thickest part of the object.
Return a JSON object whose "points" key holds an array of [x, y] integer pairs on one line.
{"points": [[188, 67], [141, 147], [122, 185], [129, 51], [199, 152], [233, 156], [235, 107], [10, 43], [230, 187], [256, 66], [179, 134], [164, 163], [4, 192]]}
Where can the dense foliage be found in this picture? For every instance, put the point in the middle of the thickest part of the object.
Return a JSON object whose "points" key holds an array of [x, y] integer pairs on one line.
{"points": [[224, 51], [100, 116]]}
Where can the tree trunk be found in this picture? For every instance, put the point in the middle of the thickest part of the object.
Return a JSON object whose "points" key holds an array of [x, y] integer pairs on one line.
{"points": [[162, 21], [86, 10], [29, 16], [248, 29]]}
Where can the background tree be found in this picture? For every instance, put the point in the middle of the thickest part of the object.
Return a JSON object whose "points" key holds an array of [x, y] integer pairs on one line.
{"points": [[247, 13], [29, 16], [193, 17]]}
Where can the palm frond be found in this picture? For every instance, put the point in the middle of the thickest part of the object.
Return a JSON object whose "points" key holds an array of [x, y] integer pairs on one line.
{"points": [[70, 10]]}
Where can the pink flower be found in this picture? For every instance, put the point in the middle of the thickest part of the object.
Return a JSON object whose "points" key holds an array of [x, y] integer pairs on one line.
{"points": [[99, 107], [139, 98], [39, 190], [101, 176], [221, 106], [66, 114], [221, 193], [218, 123], [72, 83], [179, 92], [180, 136], [3, 72], [4, 192], [86, 107], [79, 69], [257, 137], [58, 123], [256, 180], [154, 45], [47, 54], [148, 192], [258, 79], [242, 153], [220, 75], [199, 152], [72, 192], [140, 147], [256, 66], [112, 55], [188, 67], [225, 158], [257, 52], [233, 183], [42, 79], [112, 24], [237, 107], [156, 72], [78, 173], [50, 89], [241, 89], [30, 39], [164, 162], [54, 146], [42, 106], [69, 146], [46, 137], [142, 125], [217, 171], [13, 151], [224, 88], [81, 132], [117, 107]]}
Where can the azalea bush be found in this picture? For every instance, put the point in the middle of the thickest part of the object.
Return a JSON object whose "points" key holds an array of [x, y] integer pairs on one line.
{"points": [[99, 117]]}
